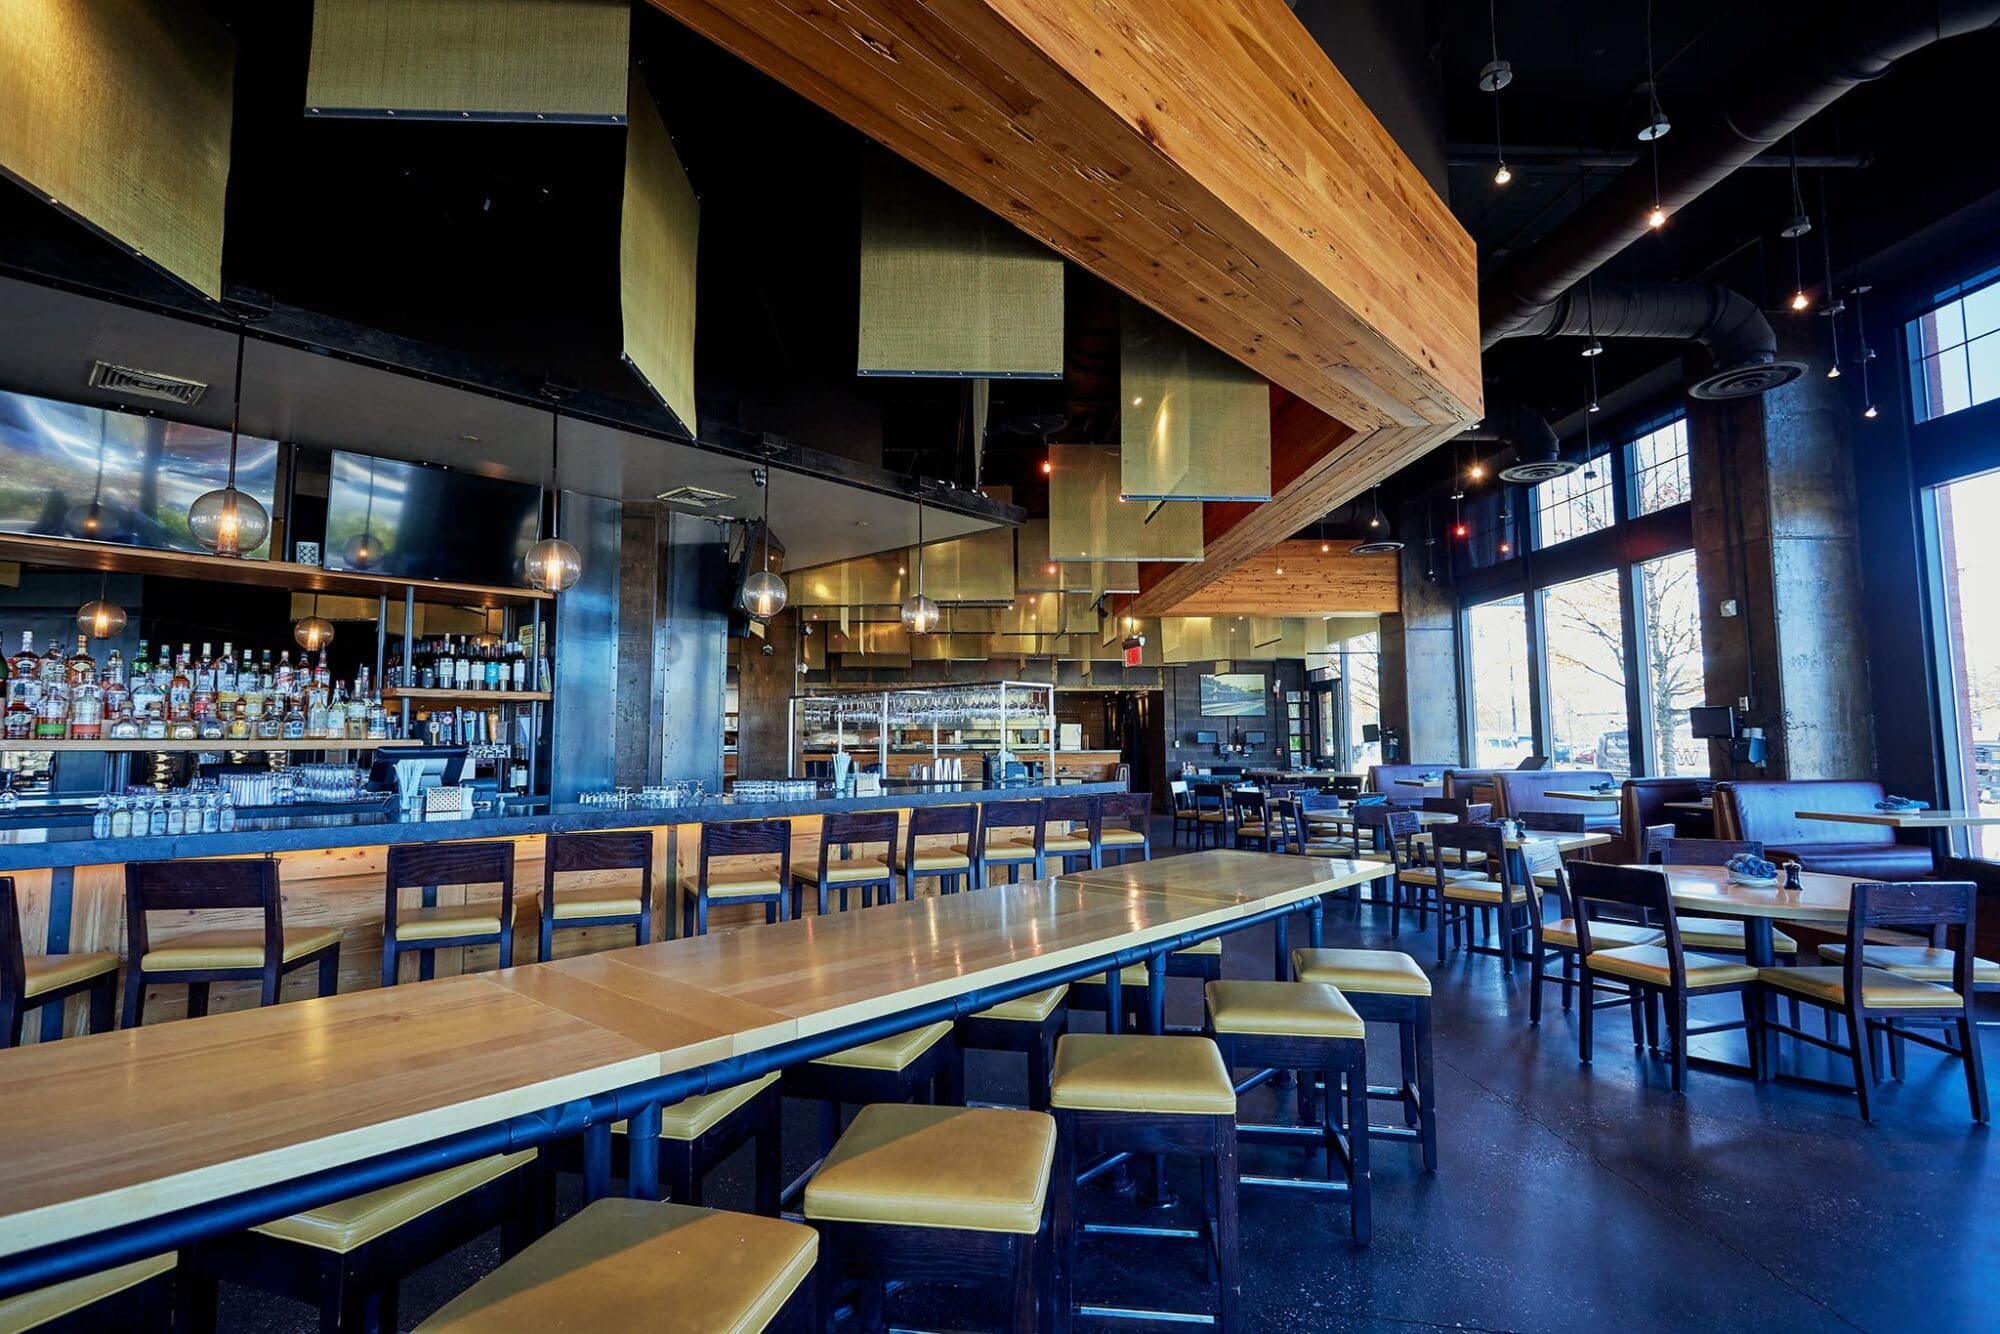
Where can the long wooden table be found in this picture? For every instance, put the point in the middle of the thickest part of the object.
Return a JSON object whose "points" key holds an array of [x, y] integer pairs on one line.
{"points": [[127, 1143]]}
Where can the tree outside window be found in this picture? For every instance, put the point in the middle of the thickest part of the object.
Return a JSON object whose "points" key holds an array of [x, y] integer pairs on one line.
{"points": [[1670, 619]]}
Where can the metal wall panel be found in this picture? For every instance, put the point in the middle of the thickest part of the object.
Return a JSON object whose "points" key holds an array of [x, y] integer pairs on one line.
{"points": [[659, 229], [1089, 521], [698, 587], [586, 662], [1196, 423]]}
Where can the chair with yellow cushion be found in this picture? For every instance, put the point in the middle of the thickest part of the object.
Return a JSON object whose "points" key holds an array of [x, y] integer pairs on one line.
{"points": [[699, 1134], [1027, 1024], [918, 1065], [914, 1195], [1080, 839], [841, 833], [425, 930], [135, 1298], [1470, 883], [1311, 1029], [955, 865], [1146, 1094], [1254, 824], [1879, 1000], [1557, 940], [1127, 819], [1210, 800], [348, 1258], [756, 865], [30, 981], [1716, 935], [634, 1264], [1388, 987], [622, 904], [1010, 836], [261, 954]]}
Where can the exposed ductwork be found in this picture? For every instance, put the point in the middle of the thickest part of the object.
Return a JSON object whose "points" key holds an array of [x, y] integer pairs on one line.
{"points": [[1857, 43], [1727, 323], [1537, 450]]}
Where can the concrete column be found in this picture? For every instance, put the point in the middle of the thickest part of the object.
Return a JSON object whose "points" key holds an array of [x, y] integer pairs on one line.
{"points": [[1420, 660]]}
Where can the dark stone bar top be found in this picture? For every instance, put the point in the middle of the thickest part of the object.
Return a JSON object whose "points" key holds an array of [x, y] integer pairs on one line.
{"points": [[70, 846]]}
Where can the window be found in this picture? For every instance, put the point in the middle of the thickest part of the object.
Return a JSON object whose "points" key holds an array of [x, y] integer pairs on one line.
{"points": [[1496, 641], [1573, 505], [1361, 671], [1660, 467], [1585, 643], [1670, 663], [1969, 562], [1955, 349]]}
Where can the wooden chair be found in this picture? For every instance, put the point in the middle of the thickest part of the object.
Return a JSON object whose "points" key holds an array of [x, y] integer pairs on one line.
{"points": [[1877, 1001], [231, 954], [1393, 830], [1126, 824], [952, 867], [1462, 884], [763, 839], [1068, 846], [30, 981], [699, 1134], [425, 930], [616, 905], [845, 831], [1664, 972], [1557, 940], [1714, 934], [1185, 814], [1253, 821], [1323, 837], [1030, 1025], [1010, 836], [1211, 812]]}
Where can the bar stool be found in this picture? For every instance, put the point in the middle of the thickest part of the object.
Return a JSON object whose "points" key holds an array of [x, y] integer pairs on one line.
{"points": [[1028, 1024], [1388, 987], [953, 1195], [738, 883], [921, 1065], [426, 930], [949, 866], [30, 981], [1307, 1027], [1068, 846], [633, 1264], [1152, 1095], [613, 905], [845, 830], [347, 1258], [135, 1296], [242, 954], [700, 1133], [1011, 835], [1126, 825]]}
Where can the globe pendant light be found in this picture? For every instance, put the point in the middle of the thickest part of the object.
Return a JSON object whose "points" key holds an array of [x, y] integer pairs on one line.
{"points": [[554, 565], [362, 550], [919, 613], [764, 593], [229, 522], [103, 618], [314, 632]]}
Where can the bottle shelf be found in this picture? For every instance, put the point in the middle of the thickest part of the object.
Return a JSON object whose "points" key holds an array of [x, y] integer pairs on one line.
{"points": [[184, 747], [441, 696]]}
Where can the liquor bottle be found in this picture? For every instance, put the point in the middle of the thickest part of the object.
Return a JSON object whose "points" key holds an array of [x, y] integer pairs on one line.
{"points": [[295, 721], [265, 676], [117, 694], [270, 724], [517, 670], [53, 668], [19, 722], [86, 709], [180, 694], [52, 712], [24, 676], [225, 672], [142, 664], [283, 681], [238, 728], [204, 671], [355, 724], [378, 719], [114, 671]]}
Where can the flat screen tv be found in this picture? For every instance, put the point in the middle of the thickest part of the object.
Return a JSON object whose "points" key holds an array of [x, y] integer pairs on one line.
{"points": [[1208, 738], [1233, 695], [427, 523]]}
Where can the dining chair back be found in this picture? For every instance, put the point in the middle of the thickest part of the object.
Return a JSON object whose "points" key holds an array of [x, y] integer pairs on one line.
{"points": [[262, 954], [1642, 891], [49, 980], [604, 850], [1252, 819], [1464, 846], [1125, 820], [739, 838], [1012, 834], [1071, 843], [426, 866], [959, 861]]}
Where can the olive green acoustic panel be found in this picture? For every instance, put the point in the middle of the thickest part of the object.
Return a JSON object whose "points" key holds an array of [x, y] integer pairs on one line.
{"points": [[978, 567], [1196, 425], [659, 226], [118, 113], [1089, 522], [947, 289], [853, 585], [526, 60]]}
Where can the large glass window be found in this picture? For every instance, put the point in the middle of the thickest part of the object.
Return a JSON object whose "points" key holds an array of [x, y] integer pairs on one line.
{"points": [[1955, 349], [1581, 627], [1573, 505], [1660, 467], [1969, 564], [1496, 641], [1670, 662], [1361, 670]]}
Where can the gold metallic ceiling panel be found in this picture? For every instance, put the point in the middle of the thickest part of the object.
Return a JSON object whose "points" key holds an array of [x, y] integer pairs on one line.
{"points": [[658, 229], [532, 60], [1196, 423], [118, 112], [1088, 521], [978, 567]]}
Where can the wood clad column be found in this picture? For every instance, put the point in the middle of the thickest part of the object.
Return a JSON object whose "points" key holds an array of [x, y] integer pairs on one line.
{"points": [[765, 684]]}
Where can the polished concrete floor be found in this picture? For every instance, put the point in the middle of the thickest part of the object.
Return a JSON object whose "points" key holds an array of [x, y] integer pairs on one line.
{"points": [[1568, 1197]]}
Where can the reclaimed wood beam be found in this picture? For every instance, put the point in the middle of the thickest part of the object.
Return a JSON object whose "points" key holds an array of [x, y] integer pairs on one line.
{"points": [[1297, 579]]}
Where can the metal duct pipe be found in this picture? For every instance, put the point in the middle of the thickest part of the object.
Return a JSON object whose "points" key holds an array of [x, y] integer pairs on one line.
{"points": [[1727, 323], [1537, 449], [1860, 43]]}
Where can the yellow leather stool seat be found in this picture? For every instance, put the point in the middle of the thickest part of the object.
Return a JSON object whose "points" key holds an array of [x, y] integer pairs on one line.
{"points": [[47, 972], [1365, 972], [480, 918], [943, 859], [1723, 933], [233, 948], [1603, 935], [741, 884], [634, 1264], [1880, 988], [1065, 843], [1483, 891], [848, 872], [1924, 963], [601, 903], [891, 1053], [1116, 1072], [1430, 875], [691, 1118], [1649, 963], [1029, 1009], [1124, 838], [346, 1224], [1004, 845], [39, 1306], [1283, 1009], [978, 1169]]}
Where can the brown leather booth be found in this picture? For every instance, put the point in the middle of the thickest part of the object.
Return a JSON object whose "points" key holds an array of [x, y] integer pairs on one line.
{"points": [[1644, 806], [1473, 785], [1383, 778], [1768, 812], [1519, 793]]}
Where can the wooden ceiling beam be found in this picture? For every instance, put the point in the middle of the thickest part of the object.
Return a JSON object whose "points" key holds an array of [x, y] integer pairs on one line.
{"points": [[1298, 579]]}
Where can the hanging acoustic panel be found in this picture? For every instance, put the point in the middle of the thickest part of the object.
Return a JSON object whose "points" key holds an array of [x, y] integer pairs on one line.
{"points": [[659, 225], [978, 567], [1088, 520], [522, 60], [860, 583], [948, 289], [118, 113], [1196, 423]]}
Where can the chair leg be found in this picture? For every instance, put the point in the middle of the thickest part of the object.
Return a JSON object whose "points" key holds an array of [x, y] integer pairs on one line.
{"points": [[1535, 969], [389, 961], [329, 972], [197, 1002], [545, 947], [1228, 1241], [1857, 1043], [1975, 1073], [1027, 1268], [1586, 1020], [135, 995], [103, 1005], [769, 1158], [1677, 1023]]}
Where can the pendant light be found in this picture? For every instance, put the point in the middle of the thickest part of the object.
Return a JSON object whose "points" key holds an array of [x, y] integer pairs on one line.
{"points": [[919, 614], [554, 565], [101, 618], [1866, 354], [1795, 231], [1834, 307], [93, 521], [1495, 75], [764, 593], [315, 632], [229, 522], [362, 550], [1380, 539]]}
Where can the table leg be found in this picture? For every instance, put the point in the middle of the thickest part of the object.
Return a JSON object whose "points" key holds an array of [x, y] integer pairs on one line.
{"points": [[1316, 930], [1114, 1002], [1156, 994], [597, 1161], [642, 1146], [1758, 952], [1281, 965]]}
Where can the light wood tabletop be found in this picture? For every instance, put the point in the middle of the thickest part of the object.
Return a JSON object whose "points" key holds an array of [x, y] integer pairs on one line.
{"points": [[1906, 819], [1821, 898], [1584, 794]]}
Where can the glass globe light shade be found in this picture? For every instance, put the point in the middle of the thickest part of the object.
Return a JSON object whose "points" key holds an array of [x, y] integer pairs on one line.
{"points": [[228, 522], [486, 639], [554, 565], [313, 633], [101, 619], [362, 550], [92, 522], [764, 595], [920, 614]]}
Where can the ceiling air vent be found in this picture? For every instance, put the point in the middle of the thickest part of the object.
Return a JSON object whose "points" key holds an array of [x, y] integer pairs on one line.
{"points": [[694, 497], [146, 384], [1380, 546], [1531, 471]]}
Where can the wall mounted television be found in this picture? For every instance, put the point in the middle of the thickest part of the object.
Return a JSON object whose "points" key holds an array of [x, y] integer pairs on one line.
{"points": [[427, 523], [1234, 695], [1208, 738]]}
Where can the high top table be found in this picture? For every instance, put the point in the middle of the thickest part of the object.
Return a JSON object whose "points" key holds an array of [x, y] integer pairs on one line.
{"points": [[122, 1145]]}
